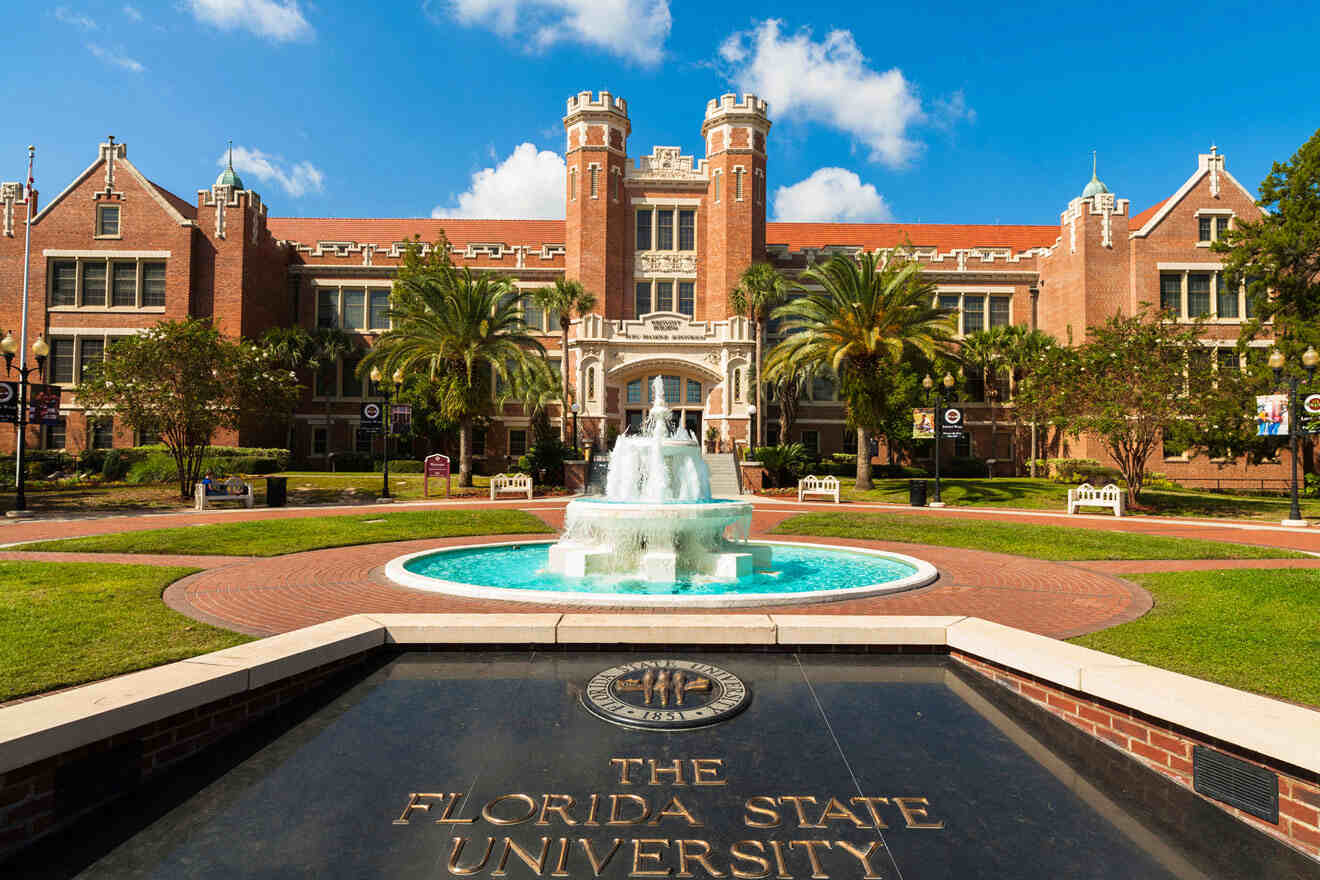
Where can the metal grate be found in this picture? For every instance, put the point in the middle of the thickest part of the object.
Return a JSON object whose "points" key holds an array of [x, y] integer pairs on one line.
{"points": [[1251, 789]]}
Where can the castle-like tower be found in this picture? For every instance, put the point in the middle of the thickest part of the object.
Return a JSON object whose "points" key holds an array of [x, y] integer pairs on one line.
{"points": [[596, 209], [735, 135]]}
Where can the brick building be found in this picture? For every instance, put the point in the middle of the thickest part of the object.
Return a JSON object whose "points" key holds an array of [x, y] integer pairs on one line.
{"points": [[661, 239]]}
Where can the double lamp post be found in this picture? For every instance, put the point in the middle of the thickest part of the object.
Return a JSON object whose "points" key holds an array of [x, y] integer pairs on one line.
{"points": [[385, 422], [1309, 360], [9, 347], [943, 397]]}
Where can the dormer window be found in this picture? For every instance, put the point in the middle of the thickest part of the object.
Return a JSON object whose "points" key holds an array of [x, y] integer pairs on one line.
{"points": [[107, 221]]}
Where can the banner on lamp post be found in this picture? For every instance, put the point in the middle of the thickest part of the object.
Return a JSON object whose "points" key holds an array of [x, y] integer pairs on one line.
{"points": [[371, 418], [9, 402], [44, 405], [1272, 414], [400, 418], [952, 428], [923, 423], [1308, 420]]}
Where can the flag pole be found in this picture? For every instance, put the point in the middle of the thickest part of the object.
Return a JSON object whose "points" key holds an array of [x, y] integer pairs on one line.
{"points": [[20, 501]]}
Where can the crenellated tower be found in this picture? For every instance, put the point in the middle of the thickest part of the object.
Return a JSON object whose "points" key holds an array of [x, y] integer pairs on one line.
{"points": [[596, 209], [735, 133]]}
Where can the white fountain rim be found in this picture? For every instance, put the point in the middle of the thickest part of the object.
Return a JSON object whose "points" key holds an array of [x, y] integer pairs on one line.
{"points": [[924, 574]]}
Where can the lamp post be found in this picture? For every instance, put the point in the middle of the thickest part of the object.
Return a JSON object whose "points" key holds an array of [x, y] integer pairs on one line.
{"points": [[576, 409], [385, 425], [40, 349], [943, 396], [1309, 360], [751, 426]]}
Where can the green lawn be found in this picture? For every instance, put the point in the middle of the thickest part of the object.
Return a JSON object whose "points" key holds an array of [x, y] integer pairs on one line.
{"points": [[273, 537], [1022, 539], [1250, 629], [65, 623], [1040, 494]]}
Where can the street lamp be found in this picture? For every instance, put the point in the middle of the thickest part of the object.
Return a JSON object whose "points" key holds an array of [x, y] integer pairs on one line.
{"points": [[385, 424], [576, 409], [751, 425], [943, 397], [1309, 360], [40, 350]]}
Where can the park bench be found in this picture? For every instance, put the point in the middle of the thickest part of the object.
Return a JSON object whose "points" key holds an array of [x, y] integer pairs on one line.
{"points": [[1087, 495], [518, 484], [828, 486], [233, 489]]}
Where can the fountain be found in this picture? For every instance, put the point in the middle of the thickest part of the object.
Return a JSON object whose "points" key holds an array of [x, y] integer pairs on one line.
{"points": [[657, 521]]}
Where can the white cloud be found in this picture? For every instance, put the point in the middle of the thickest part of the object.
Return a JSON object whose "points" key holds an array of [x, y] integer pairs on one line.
{"points": [[77, 19], [297, 179], [635, 29], [133, 12], [831, 81], [528, 185], [832, 194], [117, 58], [279, 20]]}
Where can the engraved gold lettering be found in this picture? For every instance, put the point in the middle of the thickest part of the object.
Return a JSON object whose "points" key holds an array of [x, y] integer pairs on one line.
{"points": [[488, 811], [835, 810], [872, 804], [616, 819], [414, 803], [817, 872], [675, 770], [537, 864], [863, 856], [676, 809], [591, 812], [561, 860], [738, 853], [457, 850], [781, 871], [598, 865], [447, 818], [639, 855], [706, 771], [911, 813], [797, 802], [695, 851], [625, 765], [547, 806], [753, 806]]}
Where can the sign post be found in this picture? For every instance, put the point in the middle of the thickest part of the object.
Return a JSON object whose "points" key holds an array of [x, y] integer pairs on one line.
{"points": [[435, 466]]}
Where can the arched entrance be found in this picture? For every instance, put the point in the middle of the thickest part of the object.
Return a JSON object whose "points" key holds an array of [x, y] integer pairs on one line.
{"points": [[686, 388]]}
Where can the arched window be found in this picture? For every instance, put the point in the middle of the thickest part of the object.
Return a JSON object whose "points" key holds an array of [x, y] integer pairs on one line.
{"points": [[595, 181], [737, 385], [591, 383], [572, 184]]}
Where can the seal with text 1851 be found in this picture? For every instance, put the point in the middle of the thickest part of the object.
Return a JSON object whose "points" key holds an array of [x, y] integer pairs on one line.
{"points": [[665, 694]]}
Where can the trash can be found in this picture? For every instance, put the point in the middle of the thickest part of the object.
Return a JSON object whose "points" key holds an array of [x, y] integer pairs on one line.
{"points": [[277, 491], [917, 493]]}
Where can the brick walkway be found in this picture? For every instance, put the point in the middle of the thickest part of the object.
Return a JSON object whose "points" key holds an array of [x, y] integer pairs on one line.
{"points": [[263, 596]]}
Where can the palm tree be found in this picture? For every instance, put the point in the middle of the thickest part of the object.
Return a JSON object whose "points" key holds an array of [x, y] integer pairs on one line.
{"points": [[328, 345], [288, 349], [981, 354], [759, 292], [788, 381], [1023, 351], [464, 330], [564, 298], [862, 321]]}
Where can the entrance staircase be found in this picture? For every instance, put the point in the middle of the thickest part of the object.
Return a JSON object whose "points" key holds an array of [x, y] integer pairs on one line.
{"points": [[724, 481]]}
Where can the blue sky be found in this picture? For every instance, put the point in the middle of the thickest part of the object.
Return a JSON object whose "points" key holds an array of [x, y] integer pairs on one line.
{"points": [[452, 107]]}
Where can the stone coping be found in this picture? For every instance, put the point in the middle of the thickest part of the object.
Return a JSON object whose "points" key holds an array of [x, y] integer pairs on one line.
{"points": [[37, 729]]}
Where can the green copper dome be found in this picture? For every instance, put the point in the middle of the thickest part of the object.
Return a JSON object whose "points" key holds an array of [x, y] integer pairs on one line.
{"points": [[229, 177], [1095, 187]]}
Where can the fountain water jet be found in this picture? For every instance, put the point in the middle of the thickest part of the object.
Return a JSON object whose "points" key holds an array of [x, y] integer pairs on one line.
{"points": [[657, 521]]}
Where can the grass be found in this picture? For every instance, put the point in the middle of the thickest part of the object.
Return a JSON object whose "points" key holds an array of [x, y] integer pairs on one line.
{"points": [[1250, 629], [64, 623], [1059, 543], [273, 537]]}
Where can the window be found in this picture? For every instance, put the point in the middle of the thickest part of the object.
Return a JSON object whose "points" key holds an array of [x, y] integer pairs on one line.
{"points": [[148, 438], [643, 297], [1203, 228], [1175, 442], [1249, 301], [671, 389], [1226, 301], [327, 308], [103, 433], [61, 361], [664, 227], [962, 446], [737, 385], [634, 391], [618, 187], [352, 383], [1198, 295], [822, 388], [718, 175], [107, 221], [355, 309], [572, 184], [772, 435], [644, 230], [1228, 361], [123, 284], [687, 298], [1211, 227], [1000, 311], [552, 321], [533, 317], [320, 441], [1198, 367], [518, 440], [849, 442], [379, 318], [1171, 294], [327, 381], [478, 441], [687, 230], [153, 285], [64, 284], [634, 425], [595, 182], [664, 296], [738, 184], [693, 391], [91, 351], [591, 383], [1221, 226], [973, 313], [811, 440], [57, 435], [93, 284], [555, 367]]}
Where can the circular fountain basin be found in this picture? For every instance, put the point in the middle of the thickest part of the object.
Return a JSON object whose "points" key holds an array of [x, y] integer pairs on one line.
{"points": [[800, 574]]}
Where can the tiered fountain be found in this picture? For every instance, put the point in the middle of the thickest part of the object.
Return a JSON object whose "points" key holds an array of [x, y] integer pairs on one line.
{"points": [[657, 521]]}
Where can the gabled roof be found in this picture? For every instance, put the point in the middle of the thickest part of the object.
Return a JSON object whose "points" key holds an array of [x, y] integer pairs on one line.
{"points": [[187, 209], [945, 236], [387, 231], [174, 207], [1147, 220], [1140, 220]]}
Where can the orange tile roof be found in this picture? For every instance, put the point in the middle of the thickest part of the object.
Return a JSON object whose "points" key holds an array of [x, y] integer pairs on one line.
{"points": [[187, 209], [945, 236], [1143, 218], [386, 231]]}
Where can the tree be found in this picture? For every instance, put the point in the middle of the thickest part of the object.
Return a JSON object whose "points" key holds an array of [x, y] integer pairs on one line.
{"points": [[860, 319], [1126, 385], [564, 298], [463, 330], [326, 347], [760, 290], [788, 381], [1023, 351], [184, 381], [287, 348], [982, 355]]}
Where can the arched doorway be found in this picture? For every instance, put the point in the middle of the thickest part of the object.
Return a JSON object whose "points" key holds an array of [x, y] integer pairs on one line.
{"points": [[686, 388]]}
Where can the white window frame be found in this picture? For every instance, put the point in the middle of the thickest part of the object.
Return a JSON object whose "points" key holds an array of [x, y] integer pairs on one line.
{"points": [[320, 286], [82, 259], [1215, 271], [101, 208], [985, 293], [1213, 214]]}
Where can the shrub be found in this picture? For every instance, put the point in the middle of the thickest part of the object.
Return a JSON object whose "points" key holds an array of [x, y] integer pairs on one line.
{"points": [[351, 461], [1081, 470], [963, 466], [783, 463], [114, 466], [1159, 481], [402, 466], [897, 470]]}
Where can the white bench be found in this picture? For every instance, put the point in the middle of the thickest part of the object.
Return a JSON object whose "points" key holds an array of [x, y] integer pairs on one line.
{"points": [[233, 489], [518, 484], [1087, 495], [828, 486]]}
